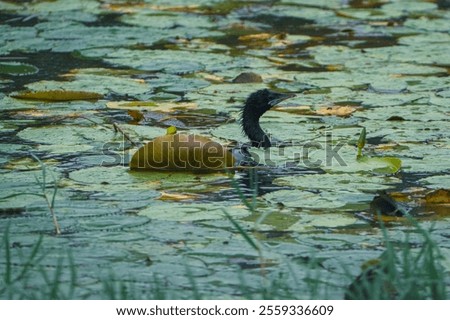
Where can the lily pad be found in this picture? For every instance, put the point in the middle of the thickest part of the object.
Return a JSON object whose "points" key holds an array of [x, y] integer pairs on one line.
{"points": [[438, 196], [173, 63], [437, 181], [386, 165], [174, 211], [98, 84], [69, 135], [310, 222], [151, 105], [17, 68], [339, 182], [58, 95], [305, 199]]}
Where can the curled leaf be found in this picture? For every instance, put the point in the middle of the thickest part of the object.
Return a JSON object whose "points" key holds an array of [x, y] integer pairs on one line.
{"points": [[362, 139], [182, 152], [361, 142]]}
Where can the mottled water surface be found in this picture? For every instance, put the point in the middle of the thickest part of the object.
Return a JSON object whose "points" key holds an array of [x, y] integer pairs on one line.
{"points": [[70, 70]]}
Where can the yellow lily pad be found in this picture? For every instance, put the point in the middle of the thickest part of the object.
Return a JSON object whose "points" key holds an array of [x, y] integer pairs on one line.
{"points": [[438, 196], [58, 95], [341, 111], [154, 106], [165, 196]]}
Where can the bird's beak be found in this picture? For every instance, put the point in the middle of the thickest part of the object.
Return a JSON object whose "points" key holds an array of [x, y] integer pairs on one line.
{"points": [[280, 97]]}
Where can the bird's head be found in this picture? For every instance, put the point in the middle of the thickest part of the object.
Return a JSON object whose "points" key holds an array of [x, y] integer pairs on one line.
{"points": [[255, 106], [262, 100]]}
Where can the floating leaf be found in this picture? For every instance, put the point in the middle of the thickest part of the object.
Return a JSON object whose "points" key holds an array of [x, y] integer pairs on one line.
{"points": [[130, 104], [438, 181], [58, 95], [165, 196], [210, 77], [151, 105], [438, 196], [341, 111], [178, 211], [248, 77], [305, 199], [26, 164], [258, 36], [385, 165], [359, 184], [136, 115], [17, 68], [309, 222], [335, 67]]}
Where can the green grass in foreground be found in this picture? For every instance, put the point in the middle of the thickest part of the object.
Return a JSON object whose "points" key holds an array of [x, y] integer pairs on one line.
{"points": [[399, 273]]}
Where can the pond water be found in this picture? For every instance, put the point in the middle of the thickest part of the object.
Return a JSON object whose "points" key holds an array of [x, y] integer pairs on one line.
{"points": [[72, 72]]}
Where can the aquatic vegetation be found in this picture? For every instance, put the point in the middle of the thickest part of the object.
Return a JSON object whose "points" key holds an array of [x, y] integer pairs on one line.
{"points": [[84, 85]]}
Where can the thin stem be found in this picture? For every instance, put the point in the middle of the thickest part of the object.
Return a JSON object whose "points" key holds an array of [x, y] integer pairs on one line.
{"points": [[126, 136], [50, 203]]}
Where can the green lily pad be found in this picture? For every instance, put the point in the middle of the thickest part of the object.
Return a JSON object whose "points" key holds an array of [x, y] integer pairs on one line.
{"points": [[17, 68], [8, 103], [339, 182], [305, 199], [98, 84], [386, 165], [171, 211], [22, 189], [310, 222], [437, 181], [388, 59], [68, 135]]}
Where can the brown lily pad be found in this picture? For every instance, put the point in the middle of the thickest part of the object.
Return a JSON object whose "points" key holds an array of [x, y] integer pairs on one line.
{"points": [[58, 95]]}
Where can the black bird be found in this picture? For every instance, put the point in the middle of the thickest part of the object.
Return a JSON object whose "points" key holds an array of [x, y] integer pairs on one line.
{"points": [[180, 151], [383, 204], [256, 105]]}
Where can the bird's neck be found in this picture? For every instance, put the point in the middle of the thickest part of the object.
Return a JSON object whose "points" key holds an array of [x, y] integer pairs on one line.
{"points": [[251, 127]]}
